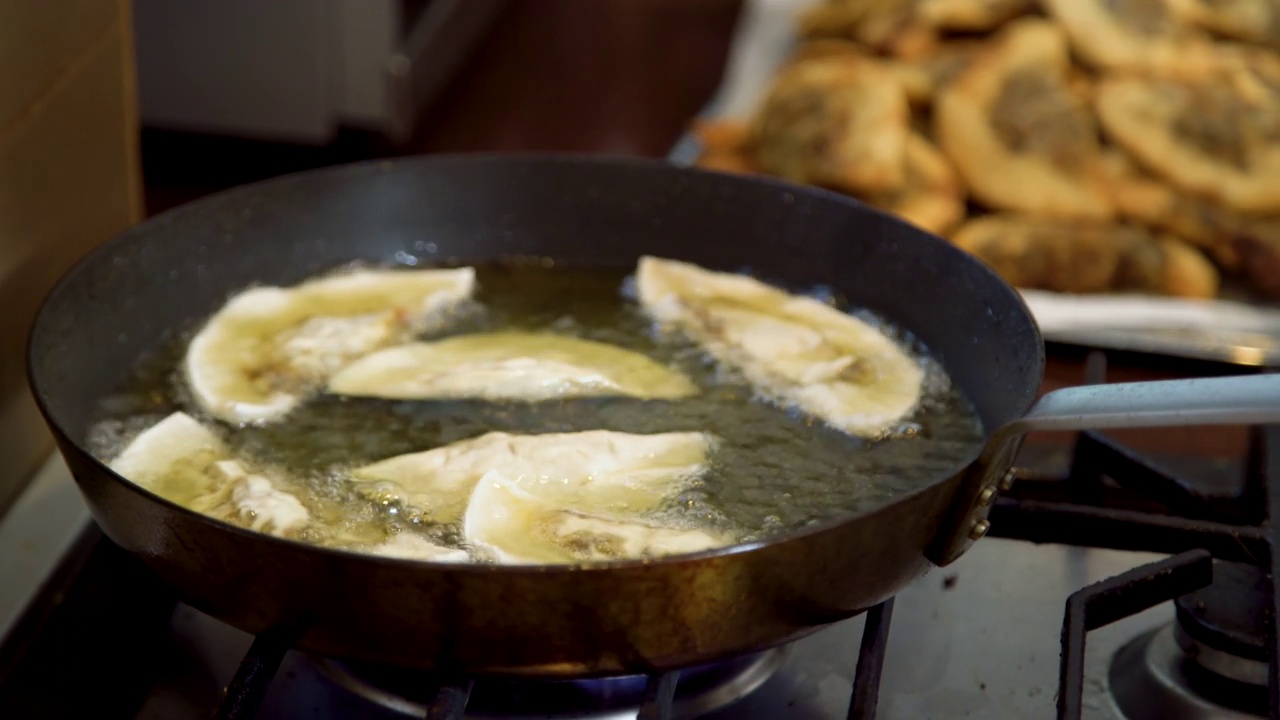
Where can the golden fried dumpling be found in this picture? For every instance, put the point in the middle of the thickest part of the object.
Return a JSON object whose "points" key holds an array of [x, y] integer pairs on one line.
{"points": [[1156, 203], [518, 527], [1183, 271], [1154, 35], [835, 121], [927, 73], [914, 80], [883, 25], [267, 348], [919, 73], [720, 133], [1018, 132], [794, 349], [185, 462], [1216, 134], [509, 365], [737, 162], [932, 198], [971, 15], [931, 195], [723, 146], [615, 471], [1138, 195], [1085, 256], [1255, 21], [1245, 242], [1258, 246]]}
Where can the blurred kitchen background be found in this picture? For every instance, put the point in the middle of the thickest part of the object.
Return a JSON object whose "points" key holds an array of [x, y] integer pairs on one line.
{"points": [[238, 90], [111, 111]]}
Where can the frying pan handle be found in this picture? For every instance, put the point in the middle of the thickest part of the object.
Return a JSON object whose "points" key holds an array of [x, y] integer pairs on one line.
{"points": [[1243, 400]]}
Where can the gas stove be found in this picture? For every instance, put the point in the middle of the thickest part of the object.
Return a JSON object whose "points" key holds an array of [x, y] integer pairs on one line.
{"points": [[1113, 585]]}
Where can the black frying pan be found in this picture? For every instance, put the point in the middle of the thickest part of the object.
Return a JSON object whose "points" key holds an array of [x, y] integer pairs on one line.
{"points": [[558, 621]]}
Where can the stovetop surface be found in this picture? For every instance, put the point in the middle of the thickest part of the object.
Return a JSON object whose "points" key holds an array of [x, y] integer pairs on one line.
{"points": [[977, 639]]}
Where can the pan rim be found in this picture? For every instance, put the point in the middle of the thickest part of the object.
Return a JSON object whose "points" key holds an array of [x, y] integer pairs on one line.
{"points": [[378, 165]]}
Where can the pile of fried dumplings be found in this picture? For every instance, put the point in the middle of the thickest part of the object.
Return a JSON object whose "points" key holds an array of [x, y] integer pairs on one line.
{"points": [[1077, 146]]}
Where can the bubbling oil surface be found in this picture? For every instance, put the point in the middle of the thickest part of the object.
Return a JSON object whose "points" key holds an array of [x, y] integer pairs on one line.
{"points": [[775, 470]]}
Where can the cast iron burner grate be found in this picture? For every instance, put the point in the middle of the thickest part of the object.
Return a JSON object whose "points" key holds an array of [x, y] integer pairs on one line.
{"points": [[1145, 508], [450, 694], [701, 690]]}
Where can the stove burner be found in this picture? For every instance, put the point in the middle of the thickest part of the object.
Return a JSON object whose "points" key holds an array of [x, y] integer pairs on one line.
{"points": [[1211, 662], [1223, 627], [1152, 678], [701, 690]]}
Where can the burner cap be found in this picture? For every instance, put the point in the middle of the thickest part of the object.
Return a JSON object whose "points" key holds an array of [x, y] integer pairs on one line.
{"points": [[1151, 678], [1230, 615]]}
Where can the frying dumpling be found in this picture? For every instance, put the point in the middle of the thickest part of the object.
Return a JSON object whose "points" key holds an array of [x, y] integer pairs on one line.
{"points": [[183, 461], [1133, 35], [1017, 132], [838, 121], [269, 347], [257, 502], [601, 469], [174, 458], [509, 366], [795, 349], [412, 546], [1215, 134], [518, 527]]}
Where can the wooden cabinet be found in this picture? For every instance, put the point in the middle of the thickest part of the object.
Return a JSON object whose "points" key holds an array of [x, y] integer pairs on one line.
{"points": [[69, 177]]}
